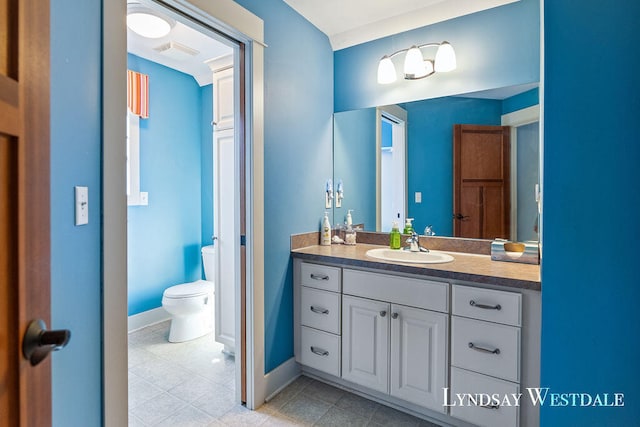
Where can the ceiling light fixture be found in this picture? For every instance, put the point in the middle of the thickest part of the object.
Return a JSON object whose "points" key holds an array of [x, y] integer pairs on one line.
{"points": [[415, 65], [147, 22]]}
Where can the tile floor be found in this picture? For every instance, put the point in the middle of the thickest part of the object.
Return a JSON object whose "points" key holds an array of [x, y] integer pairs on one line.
{"points": [[193, 383]]}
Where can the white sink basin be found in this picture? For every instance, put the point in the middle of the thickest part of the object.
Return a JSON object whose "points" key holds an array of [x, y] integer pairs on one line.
{"points": [[400, 255]]}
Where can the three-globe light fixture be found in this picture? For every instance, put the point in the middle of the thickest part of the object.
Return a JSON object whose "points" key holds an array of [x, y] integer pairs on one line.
{"points": [[415, 65]]}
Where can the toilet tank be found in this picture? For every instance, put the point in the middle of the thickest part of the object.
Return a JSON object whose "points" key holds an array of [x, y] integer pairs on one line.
{"points": [[209, 262]]}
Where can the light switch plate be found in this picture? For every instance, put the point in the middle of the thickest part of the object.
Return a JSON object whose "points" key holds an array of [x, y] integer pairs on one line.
{"points": [[418, 197], [82, 205]]}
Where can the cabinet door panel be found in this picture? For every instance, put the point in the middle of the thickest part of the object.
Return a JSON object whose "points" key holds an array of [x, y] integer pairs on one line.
{"points": [[365, 335], [419, 356]]}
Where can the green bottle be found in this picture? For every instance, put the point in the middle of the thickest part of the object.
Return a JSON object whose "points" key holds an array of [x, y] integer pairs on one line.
{"points": [[408, 226], [394, 237]]}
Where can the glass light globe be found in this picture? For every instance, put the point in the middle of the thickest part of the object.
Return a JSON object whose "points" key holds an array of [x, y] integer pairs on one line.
{"points": [[445, 58], [414, 63], [386, 71]]}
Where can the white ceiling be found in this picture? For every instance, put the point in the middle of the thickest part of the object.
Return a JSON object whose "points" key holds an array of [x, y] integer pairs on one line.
{"points": [[207, 47], [351, 22], [345, 22]]}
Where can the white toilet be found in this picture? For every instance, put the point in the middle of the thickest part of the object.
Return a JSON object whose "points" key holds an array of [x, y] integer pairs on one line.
{"points": [[191, 304]]}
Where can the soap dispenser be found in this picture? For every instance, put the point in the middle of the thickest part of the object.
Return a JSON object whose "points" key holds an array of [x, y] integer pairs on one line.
{"points": [[394, 237], [325, 231], [350, 232], [408, 226]]}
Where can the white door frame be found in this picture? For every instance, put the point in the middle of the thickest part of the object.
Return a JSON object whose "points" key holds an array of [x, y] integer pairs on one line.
{"points": [[398, 115], [516, 119], [235, 21]]}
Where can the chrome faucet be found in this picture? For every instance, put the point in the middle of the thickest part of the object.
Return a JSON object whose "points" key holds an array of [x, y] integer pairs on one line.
{"points": [[414, 243]]}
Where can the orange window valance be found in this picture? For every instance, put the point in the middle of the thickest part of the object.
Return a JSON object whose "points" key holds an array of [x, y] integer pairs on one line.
{"points": [[138, 93]]}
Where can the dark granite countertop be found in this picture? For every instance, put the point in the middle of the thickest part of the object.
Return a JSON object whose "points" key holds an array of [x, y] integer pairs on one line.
{"points": [[465, 267]]}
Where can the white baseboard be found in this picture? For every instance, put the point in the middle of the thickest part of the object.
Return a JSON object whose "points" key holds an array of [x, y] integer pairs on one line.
{"points": [[147, 318], [281, 377]]}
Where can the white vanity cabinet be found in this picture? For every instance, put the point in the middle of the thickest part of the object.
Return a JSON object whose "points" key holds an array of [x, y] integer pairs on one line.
{"points": [[392, 339], [319, 314], [395, 349], [414, 342], [486, 352]]}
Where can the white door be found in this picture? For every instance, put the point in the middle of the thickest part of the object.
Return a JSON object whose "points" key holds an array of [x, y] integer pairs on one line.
{"points": [[365, 342], [419, 356], [225, 203], [227, 237], [223, 110]]}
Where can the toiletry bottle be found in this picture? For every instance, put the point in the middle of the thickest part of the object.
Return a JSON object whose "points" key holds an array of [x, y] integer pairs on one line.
{"points": [[325, 231], [350, 232], [408, 226], [394, 237]]}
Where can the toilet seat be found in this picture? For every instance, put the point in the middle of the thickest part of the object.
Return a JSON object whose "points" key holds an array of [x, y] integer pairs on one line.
{"points": [[189, 290]]}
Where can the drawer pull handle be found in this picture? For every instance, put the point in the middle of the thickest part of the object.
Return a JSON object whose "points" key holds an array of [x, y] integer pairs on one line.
{"points": [[486, 307], [319, 276], [319, 351], [319, 310], [383, 313], [394, 315], [484, 350], [490, 406]]}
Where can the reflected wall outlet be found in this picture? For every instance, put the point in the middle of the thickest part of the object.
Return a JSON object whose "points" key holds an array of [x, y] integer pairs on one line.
{"points": [[82, 205], [144, 198]]}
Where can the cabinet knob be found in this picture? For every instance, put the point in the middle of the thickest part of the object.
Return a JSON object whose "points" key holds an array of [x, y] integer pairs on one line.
{"points": [[394, 315], [383, 313]]}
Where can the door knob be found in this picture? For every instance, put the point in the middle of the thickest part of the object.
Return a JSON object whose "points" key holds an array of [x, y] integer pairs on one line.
{"points": [[38, 342], [460, 217]]}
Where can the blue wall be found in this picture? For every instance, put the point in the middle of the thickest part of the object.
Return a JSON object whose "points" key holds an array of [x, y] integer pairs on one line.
{"points": [[354, 135], [298, 158], [520, 101], [164, 238], [504, 53], [430, 154], [76, 297], [590, 280]]}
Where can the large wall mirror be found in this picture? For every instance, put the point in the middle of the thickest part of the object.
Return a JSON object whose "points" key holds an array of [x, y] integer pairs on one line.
{"points": [[399, 161]]}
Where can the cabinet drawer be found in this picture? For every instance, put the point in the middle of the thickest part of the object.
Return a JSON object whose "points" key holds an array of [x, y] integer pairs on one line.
{"points": [[493, 415], [418, 293], [320, 277], [320, 350], [487, 304], [485, 347], [320, 309]]}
